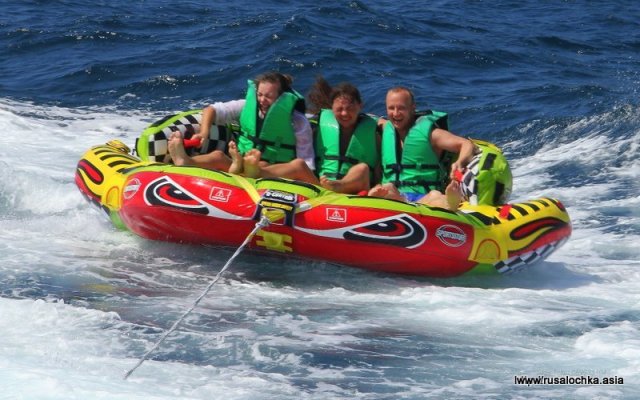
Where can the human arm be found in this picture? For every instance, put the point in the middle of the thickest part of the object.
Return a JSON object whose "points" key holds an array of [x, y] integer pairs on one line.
{"points": [[220, 113], [443, 140], [208, 116], [304, 139]]}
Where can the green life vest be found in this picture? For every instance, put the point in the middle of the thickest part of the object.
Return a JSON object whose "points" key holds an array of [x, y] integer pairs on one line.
{"points": [[274, 136], [415, 168], [487, 179], [361, 148]]}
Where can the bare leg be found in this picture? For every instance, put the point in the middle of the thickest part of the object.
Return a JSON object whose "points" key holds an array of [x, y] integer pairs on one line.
{"points": [[356, 179], [450, 200], [332, 185], [434, 198], [214, 160], [177, 151], [296, 169], [237, 165]]}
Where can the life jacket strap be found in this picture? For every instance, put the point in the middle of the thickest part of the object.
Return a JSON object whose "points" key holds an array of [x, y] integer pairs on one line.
{"points": [[260, 144]]}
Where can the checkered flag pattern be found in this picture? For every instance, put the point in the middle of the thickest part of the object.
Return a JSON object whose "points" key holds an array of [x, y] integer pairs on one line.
{"points": [[158, 147], [521, 261], [187, 124], [469, 182]]}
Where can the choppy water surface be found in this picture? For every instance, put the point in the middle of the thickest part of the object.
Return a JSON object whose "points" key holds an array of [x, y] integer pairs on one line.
{"points": [[554, 84]]}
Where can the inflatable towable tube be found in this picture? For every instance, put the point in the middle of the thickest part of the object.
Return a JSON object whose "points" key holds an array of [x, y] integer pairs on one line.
{"points": [[487, 179], [152, 143], [193, 205]]}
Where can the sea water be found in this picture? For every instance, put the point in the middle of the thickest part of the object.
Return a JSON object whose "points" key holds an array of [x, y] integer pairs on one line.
{"points": [[555, 84]]}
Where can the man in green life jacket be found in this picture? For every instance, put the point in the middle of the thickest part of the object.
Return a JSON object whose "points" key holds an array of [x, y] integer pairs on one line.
{"points": [[412, 150], [345, 143], [269, 120]]}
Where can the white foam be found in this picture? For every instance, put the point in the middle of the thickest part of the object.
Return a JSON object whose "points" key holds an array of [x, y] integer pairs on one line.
{"points": [[55, 351], [574, 313], [618, 344]]}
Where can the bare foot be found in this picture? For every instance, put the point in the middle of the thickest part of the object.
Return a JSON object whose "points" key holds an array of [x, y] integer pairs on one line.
{"points": [[335, 186], [252, 163], [237, 165], [378, 191], [453, 194], [177, 151], [387, 191]]}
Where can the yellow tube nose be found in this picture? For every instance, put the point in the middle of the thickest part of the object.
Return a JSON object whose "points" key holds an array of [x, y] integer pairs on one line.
{"points": [[118, 145]]}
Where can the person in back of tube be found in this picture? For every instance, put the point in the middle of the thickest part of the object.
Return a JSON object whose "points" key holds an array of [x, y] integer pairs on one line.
{"points": [[413, 147], [346, 144], [271, 120]]}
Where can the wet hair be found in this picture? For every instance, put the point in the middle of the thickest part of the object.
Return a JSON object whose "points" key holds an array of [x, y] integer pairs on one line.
{"points": [[346, 90], [283, 80], [322, 95], [398, 89]]}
